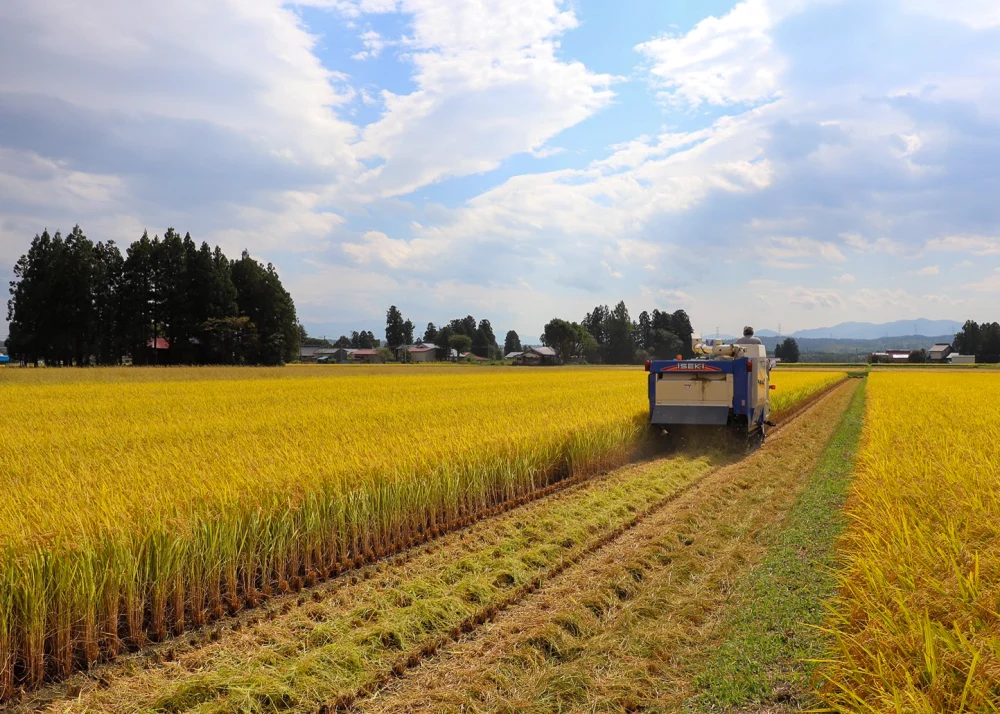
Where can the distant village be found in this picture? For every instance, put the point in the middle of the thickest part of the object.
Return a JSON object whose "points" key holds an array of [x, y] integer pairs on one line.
{"points": [[420, 352], [940, 353]]}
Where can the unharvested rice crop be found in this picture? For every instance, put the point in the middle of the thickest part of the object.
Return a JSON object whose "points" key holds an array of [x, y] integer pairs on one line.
{"points": [[916, 623], [138, 502], [791, 388]]}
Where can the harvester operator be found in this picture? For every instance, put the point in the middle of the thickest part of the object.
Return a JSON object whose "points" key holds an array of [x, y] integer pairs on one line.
{"points": [[748, 338]]}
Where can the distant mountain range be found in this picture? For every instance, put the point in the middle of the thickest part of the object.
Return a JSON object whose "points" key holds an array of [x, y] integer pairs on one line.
{"points": [[870, 330], [873, 331]]}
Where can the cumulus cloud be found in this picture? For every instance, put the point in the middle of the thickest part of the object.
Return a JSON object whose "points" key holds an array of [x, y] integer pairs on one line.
{"points": [[374, 43], [377, 247], [926, 271], [723, 60], [248, 67], [489, 85], [845, 278]]}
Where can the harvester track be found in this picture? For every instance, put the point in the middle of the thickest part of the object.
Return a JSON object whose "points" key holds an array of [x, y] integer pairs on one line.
{"points": [[516, 597]]}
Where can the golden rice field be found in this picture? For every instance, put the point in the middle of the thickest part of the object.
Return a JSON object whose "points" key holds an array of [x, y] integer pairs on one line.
{"points": [[917, 622], [139, 502]]}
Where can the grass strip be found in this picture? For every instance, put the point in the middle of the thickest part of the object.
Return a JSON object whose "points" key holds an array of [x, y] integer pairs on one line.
{"points": [[625, 629], [769, 630], [321, 652]]}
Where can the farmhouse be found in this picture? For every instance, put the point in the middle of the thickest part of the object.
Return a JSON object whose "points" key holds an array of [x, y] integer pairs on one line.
{"points": [[469, 356], [955, 358], [308, 353], [940, 352], [339, 355], [366, 356], [537, 356], [420, 352]]}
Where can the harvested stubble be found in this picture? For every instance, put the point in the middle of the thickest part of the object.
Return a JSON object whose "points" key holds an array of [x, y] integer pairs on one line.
{"points": [[916, 622], [140, 502], [628, 629]]}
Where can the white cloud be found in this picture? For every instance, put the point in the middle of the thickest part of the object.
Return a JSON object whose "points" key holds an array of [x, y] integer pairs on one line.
{"points": [[669, 296], [845, 278], [291, 221], [882, 297], [396, 254], [42, 183], [973, 244], [989, 284], [788, 252], [489, 85], [617, 275], [373, 43], [555, 212], [810, 299], [247, 66], [881, 245], [722, 60], [925, 271], [943, 299]]}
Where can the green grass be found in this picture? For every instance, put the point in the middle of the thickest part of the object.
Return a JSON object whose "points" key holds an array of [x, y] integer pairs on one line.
{"points": [[769, 630]]}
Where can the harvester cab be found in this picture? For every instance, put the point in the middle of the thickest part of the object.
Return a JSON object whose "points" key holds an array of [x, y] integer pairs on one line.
{"points": [[723, 386]]}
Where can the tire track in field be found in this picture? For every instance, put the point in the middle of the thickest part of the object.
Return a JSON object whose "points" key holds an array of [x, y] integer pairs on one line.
{"points": [[535, 639], [470, 625]]}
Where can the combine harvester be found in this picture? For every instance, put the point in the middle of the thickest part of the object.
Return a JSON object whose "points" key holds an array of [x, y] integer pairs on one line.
{"points": [[725, 388]]}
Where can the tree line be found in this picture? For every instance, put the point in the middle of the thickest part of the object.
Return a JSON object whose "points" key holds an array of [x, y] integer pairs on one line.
{"points": [[981, 340], [604, 336], [610, 336], [166, 301], [464, 335]]}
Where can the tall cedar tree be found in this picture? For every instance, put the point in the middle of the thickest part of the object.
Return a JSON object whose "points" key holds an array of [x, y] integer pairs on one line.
{"points": [[261, 298], [511, 343], [76, 302], [395, 328], [788, 350]]}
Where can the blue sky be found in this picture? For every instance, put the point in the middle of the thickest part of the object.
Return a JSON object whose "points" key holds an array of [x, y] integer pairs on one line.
{"points": [[802, 162]]}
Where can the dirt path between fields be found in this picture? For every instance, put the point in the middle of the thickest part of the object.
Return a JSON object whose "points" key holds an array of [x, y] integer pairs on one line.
{"points": [[625, 629]]}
